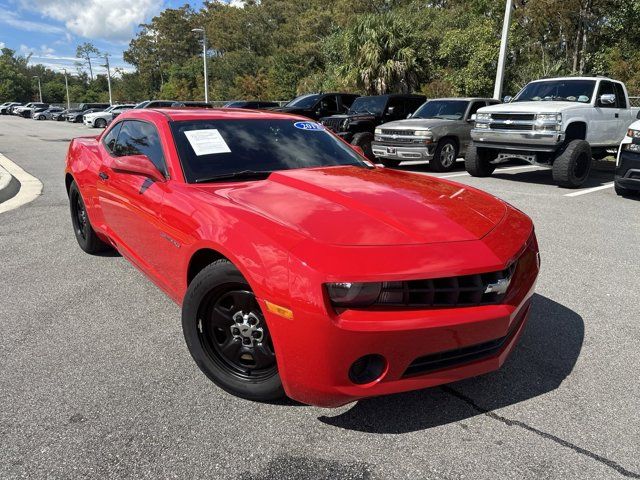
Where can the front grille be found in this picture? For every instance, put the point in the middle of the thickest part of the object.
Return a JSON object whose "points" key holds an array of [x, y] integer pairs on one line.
{"points": [[463, 291], [511, 126], [401, 140], [513, 116], [397, 132], [333, 123], [453, 358]]}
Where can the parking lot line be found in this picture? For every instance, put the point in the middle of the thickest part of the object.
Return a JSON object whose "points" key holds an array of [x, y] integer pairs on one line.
{"points": [[589, 190], [507, 169], [30, 186]]}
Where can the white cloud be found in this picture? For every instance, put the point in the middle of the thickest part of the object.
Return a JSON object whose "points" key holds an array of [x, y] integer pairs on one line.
{"points": [[2, 45], [113, 20]]}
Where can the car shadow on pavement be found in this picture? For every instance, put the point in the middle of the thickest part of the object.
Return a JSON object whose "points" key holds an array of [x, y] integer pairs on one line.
{"points": [[545, 177], [544, 357]]}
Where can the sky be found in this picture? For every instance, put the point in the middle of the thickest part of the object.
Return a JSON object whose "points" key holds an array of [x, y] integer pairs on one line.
{"points": [[51, 29]]}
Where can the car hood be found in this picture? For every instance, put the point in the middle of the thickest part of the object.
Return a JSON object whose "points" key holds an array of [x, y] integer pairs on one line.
{"points": [[534, 107], [358, 206], [415, 123]]}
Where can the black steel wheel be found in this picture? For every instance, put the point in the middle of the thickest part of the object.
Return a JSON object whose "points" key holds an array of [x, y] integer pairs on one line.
{"points": [[227, 334]]}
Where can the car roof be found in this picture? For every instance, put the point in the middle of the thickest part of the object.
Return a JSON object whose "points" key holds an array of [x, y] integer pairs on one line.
{"points": [[185, 114], [574, 78], [467, 99]]}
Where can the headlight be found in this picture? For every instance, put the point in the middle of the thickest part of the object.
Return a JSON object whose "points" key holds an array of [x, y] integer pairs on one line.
{"points": [[549, 117], [483, 117], [422, 133], [548, 122], [633, 133], [347, 294], [378, 131]]}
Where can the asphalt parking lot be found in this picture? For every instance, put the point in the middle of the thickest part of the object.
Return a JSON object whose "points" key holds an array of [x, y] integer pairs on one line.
{"points": [[96, 382]]}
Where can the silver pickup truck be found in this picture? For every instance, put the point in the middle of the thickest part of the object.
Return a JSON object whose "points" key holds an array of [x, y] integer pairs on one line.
{"points": [[438, 132]]}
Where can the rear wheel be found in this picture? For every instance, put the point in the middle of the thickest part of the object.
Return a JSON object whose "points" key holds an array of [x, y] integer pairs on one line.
{"points": [[445, 156], [363, 140], [572, 167], [477, 161], [227, 335], [85, 234]]}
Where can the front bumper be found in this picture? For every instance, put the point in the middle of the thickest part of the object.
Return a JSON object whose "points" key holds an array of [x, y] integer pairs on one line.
{"points": [[316, 348], [518, 140], [627, 173], [88, 121], [402, 152]]}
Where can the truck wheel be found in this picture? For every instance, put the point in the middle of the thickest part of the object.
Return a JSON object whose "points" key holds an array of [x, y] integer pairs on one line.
{"points": [[571, 168], [477, 162], [445, 156], [389, 163], [363, 140]]}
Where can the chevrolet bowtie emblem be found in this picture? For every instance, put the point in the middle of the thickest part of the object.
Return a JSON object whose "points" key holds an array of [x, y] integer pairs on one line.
{"points": [[500, 287]]}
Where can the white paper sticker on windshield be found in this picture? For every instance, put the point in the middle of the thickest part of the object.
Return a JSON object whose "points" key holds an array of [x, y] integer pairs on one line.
{"points": [[207, 142]]}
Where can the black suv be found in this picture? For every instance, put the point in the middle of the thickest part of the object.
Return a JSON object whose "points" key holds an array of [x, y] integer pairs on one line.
{"points": [[318, 105], [366, 113]]}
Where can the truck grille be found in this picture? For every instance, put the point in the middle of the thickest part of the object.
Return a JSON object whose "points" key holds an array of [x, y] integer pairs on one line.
{"points": [[397, 132], [467, 290], [333, 123], [513, 116], [511, 126]]}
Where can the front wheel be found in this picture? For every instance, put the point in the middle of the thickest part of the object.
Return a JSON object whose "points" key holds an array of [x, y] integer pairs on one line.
{"points": [[477, 162], [572, 167], [445, 156], [100, 123], [363, 140], [227, 334]]}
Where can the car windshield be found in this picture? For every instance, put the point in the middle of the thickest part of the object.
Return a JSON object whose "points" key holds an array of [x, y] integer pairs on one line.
{"points": [[558, 90], [211, 148], [305, 101], [372, 105], [446, 109]]}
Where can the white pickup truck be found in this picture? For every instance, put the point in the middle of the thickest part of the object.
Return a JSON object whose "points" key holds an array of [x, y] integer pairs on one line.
{"points": [[563, 123]]}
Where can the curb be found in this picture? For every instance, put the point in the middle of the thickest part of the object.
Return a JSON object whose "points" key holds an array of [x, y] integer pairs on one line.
{"points": [[9, 186], [17, 187]]}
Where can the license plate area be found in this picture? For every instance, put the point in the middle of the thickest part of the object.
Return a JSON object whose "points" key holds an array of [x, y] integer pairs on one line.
{"points": [[391, 150]]}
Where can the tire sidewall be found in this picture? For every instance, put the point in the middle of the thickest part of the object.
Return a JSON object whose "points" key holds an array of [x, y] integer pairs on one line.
{"points": [[436, 162]]}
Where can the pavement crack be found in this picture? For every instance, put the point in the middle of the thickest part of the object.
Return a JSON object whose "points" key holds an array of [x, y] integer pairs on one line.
{"points": [[511, 423]]}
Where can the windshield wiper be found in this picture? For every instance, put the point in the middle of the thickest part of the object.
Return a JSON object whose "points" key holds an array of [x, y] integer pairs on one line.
{"points": [[241, 175]]}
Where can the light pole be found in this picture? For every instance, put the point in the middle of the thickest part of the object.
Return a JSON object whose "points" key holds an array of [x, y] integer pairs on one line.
{"points": [[106, 57], [497, 92], [66, 85], [39, 87], [204, 60]]}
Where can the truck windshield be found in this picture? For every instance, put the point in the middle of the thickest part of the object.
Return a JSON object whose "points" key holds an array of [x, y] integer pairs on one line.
{"points": [[558, 90], [211, 149], [372, 105], [446, 109], [305, 101]]}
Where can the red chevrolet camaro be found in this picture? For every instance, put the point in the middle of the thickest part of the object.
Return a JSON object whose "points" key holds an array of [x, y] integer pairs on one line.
{"points": [[301, 268]]}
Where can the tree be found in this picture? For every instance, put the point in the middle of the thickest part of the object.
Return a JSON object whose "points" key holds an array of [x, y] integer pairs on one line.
{"points": [[85, 51]]}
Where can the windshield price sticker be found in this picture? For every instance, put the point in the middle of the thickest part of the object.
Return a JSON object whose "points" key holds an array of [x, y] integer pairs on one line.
{"points": [[313, 126], [207, 142]]}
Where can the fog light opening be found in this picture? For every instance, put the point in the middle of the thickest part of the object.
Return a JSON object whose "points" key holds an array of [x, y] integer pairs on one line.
{"points": [[367, 369]]}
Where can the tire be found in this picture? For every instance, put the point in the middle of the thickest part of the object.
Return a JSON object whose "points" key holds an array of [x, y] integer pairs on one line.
{"points": [[363, 140], [622, 191], [389, 163], [216, 300], [41, 117], [445, 156], [100, 123], [85, 234], [572, 167], [477, 162]]}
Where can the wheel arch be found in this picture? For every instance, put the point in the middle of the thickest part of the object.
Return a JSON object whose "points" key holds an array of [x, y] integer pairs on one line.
{"points": [[200, 259], [576, 130]]}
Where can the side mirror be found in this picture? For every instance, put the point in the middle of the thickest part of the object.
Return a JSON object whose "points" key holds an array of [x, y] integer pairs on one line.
{"points": [[137, 165], [472, 118], [507, 99], [607, 99]]}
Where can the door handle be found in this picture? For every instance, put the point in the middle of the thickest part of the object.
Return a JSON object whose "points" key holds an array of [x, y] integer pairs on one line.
{"points": [[103, 176], [617, 115]]}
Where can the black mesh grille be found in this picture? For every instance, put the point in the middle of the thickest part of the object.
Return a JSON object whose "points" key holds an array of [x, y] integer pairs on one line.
{"points": [[513, 116], [397, 132], [333, 123], [466, 290], [511, 126]]}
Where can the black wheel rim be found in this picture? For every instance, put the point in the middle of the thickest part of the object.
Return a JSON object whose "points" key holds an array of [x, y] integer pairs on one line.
{"points": [[79, 216], [234, 334], [581, 167]]}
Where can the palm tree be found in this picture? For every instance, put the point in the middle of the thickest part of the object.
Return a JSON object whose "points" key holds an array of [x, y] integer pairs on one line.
{"points": [[380, 55]]}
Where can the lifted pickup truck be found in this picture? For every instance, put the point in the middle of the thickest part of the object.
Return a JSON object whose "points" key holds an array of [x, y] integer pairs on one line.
{"points": [[563, 123]]}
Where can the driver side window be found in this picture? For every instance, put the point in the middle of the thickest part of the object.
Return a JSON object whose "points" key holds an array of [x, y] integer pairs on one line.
{"points": [[110, 138], [140, 138]]}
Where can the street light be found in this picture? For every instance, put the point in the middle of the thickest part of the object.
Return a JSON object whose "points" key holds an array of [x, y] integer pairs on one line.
{"points": [[66, 85], [204, 59], [39, 87], [106, 65], [497, 92]]}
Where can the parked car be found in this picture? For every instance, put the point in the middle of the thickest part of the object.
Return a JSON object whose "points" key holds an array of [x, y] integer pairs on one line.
{"points": [[11, 109], [103, 118], [317, 105], [191, 105], [5, 108], [27, 110], [627, 175], [61, 116], [560, 122], [264, 228], [366, 113], [83, 107], [46, 114], [78, 115], [156, 104], [251, 104], [439, 131]]}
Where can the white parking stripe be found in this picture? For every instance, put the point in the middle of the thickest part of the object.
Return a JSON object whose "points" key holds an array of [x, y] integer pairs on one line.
{"points": [[507, 169], [589, 190], [30, 186]]}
